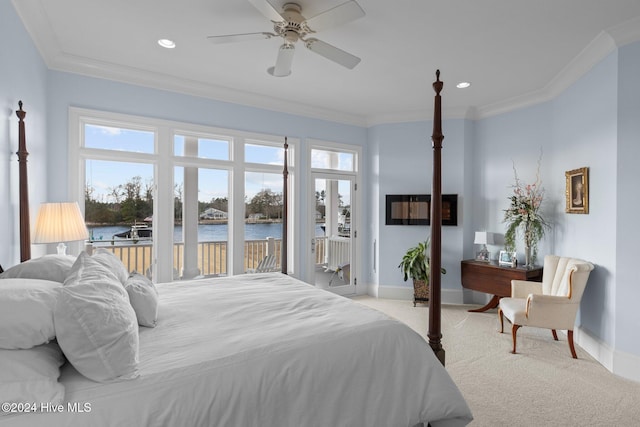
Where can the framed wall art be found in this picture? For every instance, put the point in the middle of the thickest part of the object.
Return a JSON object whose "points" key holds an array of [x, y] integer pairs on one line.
{"points": [[577, 191]]}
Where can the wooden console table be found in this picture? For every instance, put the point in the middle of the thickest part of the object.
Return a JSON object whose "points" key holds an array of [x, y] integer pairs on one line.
{"points": [[491, 278]]}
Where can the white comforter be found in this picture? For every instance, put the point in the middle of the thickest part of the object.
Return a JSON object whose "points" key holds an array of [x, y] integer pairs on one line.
{"points": [[268, 350]]}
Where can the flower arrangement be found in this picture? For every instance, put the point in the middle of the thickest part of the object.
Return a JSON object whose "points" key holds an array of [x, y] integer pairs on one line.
{"points": [[524, 212]]}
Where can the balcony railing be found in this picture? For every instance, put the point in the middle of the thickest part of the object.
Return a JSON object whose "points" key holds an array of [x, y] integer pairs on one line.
{"points": [[212, 256]]}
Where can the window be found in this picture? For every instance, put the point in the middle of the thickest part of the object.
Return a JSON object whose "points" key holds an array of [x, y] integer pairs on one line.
{"points": [[117, 138], [164, 196], [260, 152], [201, 222], [263, 212], [205, 147], [334, 160]]}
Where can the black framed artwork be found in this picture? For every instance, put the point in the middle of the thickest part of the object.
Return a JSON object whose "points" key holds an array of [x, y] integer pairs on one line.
{"points": [[415, 209]]}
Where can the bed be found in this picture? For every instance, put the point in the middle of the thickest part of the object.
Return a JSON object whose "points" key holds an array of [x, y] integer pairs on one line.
{"points": [[259, 349]]}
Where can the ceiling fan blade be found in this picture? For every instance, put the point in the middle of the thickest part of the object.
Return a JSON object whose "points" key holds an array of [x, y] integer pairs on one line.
{"points": [[267, 10], [338, 15], [233, 38], [284, 61], [332, 53]]}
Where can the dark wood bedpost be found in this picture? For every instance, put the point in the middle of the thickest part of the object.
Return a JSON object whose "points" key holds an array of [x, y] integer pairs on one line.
{"points": [[25, 229], [285, 209], [435, 334]]}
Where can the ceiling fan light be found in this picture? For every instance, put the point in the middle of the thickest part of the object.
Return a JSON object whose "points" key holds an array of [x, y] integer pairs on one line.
{"points": [[284, 61], [271, 71]]}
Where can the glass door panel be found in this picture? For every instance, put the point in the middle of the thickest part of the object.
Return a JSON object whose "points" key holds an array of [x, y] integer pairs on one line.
{"points": [[331, 225]]}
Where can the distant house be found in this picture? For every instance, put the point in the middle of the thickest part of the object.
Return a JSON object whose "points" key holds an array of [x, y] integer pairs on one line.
{"points": [[213, 213], [256, 216]]}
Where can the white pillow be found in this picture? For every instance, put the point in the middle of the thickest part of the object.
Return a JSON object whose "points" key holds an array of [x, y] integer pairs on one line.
{"points": [[143, 296], [96, 326], [31, 376], [48, 267], [26, 312], [113, 263]]}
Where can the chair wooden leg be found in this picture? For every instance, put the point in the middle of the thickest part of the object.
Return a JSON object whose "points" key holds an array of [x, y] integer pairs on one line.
{"points": [[555, 335], [514, 330], [501, 317], [571, 347]]}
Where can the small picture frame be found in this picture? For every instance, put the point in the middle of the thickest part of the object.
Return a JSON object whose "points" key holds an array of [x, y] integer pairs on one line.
{"points": [[506, 258], [484, 256], [577, 191]]}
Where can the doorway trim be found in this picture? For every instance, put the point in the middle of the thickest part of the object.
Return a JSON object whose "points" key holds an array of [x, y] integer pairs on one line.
{"points": [[356, 214]]}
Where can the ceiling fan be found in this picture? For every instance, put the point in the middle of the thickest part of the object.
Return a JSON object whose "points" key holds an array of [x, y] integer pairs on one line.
{"points": [[292, 26]]}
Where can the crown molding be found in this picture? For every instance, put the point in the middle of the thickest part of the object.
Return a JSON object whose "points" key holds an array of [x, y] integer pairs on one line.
{"points": [[420, 116], [41, 33], [124, 74], [599, 48]]}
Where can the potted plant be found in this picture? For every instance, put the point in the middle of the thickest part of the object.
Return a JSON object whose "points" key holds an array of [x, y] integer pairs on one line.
{"points": [[415, 265]]}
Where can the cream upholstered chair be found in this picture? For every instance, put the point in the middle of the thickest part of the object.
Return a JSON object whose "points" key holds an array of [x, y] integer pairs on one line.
{"points": [[552, 304]]}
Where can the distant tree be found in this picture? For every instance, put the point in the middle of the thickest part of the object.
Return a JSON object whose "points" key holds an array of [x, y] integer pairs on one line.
{"points": [[266, 202], [220, 203], [177, 202]]}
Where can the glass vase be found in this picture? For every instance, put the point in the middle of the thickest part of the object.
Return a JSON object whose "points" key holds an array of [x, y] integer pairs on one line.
{"points": [[527, 256]]}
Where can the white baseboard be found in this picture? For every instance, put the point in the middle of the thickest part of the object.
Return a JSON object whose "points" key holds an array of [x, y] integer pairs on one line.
{"points": [[623, 364]]}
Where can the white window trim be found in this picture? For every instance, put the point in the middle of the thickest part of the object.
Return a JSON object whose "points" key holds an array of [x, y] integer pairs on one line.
{"points": [[164, 160]]}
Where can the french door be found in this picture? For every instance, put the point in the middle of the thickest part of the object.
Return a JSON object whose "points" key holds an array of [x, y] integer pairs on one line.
{"points": [[332, 227]]}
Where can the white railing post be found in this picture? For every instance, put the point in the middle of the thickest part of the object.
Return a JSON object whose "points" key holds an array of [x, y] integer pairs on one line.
{"points": [[271, 246]]}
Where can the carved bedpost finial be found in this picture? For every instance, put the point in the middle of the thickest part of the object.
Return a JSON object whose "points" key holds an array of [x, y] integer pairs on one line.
{"points": [[21, 113], [437, 85]]}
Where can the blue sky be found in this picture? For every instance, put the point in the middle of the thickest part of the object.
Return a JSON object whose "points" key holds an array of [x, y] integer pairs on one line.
{"points": [[103, 176]]}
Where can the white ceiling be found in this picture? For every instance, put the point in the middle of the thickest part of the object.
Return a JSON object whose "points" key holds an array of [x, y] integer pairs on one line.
{"points": [[514, 52]]}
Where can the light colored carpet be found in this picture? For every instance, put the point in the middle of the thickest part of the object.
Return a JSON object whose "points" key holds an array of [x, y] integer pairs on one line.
{"points": [[540, 386]]}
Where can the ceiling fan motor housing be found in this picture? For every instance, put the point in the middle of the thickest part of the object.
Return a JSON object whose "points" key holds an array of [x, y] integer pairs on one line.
{"points": [[292, 28]]}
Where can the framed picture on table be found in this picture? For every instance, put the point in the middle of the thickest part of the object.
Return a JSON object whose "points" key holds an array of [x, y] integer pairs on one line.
{"points": [[506, 258]]}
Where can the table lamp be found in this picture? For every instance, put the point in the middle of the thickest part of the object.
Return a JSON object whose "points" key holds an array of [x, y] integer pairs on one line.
{"points": [[483, 238], [60, 222]]}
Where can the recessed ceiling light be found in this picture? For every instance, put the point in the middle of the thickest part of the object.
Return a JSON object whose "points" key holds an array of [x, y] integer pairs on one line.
{"points": [[463, 85], [169, 44]]}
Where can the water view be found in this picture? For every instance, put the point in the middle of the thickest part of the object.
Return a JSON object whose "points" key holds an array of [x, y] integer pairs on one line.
{"points": [[206, 232]]}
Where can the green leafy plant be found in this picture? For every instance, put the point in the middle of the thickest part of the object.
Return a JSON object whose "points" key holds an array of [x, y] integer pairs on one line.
{"points": [[415, 263]]}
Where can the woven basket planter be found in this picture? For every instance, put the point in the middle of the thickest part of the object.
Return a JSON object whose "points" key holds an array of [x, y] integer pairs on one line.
{"points": [[420, 291]]}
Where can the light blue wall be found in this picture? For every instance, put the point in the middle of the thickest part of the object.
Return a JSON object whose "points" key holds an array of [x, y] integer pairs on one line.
{"points": [[23, 76], [585, 134], [403, 160], [627, 232]]}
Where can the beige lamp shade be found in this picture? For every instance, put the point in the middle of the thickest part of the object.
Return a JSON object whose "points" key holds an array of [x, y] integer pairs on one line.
{"points": [[483, 238], [60, 222]]}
